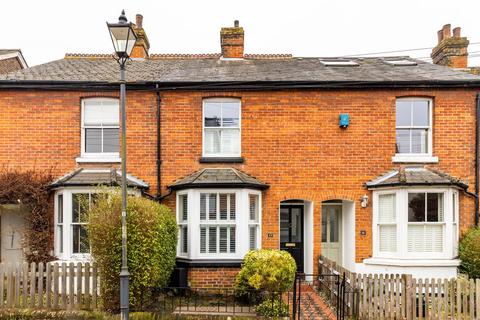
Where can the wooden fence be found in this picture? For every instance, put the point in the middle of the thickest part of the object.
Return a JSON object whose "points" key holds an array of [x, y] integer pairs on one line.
{"points": [[403, 297], [51, 286]]}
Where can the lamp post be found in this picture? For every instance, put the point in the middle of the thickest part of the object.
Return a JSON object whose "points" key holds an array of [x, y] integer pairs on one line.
{"points": [[123, 38]]}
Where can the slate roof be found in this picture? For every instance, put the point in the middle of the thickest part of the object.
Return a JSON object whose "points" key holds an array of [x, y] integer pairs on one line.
{"points": [[95, 177], [221, 177], [254, 68], [415, 176]]}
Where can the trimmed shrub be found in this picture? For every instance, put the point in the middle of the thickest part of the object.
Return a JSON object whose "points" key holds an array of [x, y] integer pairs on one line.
{"points": [[272, 308], [266, 270], [469, 253], [151, 243]]}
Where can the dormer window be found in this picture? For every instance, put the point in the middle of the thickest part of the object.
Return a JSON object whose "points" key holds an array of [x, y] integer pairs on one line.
{"points": [[221, 127]]}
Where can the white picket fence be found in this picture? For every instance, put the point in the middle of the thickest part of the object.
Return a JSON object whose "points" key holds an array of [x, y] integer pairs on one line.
{"points": [[51, 286]]}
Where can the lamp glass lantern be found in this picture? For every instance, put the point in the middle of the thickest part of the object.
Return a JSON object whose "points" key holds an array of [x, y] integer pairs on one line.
{"points": [[123, 37]]}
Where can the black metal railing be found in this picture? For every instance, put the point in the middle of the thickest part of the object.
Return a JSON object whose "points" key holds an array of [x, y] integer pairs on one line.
{"points": [[212, 301]]}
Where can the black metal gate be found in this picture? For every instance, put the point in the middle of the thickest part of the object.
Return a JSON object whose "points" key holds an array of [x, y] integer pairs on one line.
{"points": [[318, 296]]}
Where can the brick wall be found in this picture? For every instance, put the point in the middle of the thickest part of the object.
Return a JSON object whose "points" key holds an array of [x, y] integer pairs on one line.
{"points": [[212, 277], [290, 139], [9, 65]]}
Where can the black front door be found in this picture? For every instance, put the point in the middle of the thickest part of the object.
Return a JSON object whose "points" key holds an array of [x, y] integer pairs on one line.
{"points": [[291, 232]]}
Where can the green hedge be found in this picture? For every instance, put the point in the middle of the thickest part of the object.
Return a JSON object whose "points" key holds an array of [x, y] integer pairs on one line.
{"points": [[469, 253], [152, 240]]}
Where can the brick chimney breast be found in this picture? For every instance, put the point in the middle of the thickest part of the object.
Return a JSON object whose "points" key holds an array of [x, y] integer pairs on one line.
{"points": [[140, 50], [231, 41], [451, 51]]}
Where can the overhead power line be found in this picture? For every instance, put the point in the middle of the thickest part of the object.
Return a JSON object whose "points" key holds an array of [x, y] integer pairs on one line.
{"points": [[397, 51]]}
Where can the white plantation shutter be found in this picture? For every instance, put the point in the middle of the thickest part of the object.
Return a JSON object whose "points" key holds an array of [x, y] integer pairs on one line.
{"points": [[212, 206], [233, 208], [184, 239], [233, 240], [203, 206], [253, 237], [386, 208], [212, 239], [223, 206], [426, 237], [387, 228], [388, 238], [203, 239], [223, 240]]}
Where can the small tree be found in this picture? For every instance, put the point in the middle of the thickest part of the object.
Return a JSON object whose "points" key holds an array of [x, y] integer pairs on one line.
{"points": [[151, 242], [469, 253]]}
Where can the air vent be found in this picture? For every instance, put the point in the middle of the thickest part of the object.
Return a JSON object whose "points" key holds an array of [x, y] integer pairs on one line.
{"points": [[400, 62], [338, 63]]}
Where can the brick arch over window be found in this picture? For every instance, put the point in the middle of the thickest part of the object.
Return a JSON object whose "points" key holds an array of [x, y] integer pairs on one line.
{"points": [[318, 197]]}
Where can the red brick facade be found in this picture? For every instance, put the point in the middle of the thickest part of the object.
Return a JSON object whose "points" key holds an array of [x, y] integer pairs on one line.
{"points": [[290, 139]]}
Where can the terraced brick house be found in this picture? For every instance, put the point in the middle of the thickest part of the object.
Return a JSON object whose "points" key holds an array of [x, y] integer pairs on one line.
{"points": [[369, 161]]}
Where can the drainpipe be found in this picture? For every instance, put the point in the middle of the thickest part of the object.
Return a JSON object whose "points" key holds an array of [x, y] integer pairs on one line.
{"points": [[159, 144], [477, 160], [159, 197]]}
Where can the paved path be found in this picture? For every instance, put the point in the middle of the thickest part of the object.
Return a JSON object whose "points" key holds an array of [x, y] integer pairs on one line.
{"points": [[313, 307]]}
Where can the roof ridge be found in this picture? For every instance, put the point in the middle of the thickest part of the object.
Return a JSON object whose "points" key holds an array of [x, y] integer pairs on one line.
{"points": [[88, 55], [166, 56]]}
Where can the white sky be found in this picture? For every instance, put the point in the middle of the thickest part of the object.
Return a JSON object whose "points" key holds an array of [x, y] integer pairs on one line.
{"points": [[45, 30]]}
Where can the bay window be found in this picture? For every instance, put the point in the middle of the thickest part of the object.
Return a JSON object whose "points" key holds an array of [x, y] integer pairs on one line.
{"points": [[221, 127], [218, 224], [415, 223]]}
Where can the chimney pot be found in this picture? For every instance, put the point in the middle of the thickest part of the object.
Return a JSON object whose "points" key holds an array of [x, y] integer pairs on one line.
{"points": [[440, 35], [139, 21], [447, 33], [236, 23], [456, 32]]}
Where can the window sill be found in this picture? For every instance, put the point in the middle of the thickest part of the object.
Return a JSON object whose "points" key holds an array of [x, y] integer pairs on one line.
{"points": [[408, 158], [221, 160], [98, 160], [206, 263], [413, 262]]}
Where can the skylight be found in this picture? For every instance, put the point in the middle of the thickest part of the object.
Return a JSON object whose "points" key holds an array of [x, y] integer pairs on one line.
{"points": [[339, 63], [401, 62]]}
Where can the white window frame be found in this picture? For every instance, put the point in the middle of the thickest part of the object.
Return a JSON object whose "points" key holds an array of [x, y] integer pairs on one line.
{"points": [[401, 218], [241, 223], [109, 157], [417, 157], [222, 155], [67, 254]]}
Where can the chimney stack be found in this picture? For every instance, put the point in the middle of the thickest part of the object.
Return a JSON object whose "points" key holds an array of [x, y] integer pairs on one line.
{"points": [[140, 50], [231, 41], [450, 51]]}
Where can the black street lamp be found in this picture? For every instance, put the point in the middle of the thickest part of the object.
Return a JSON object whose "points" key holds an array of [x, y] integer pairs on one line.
{"points": [[123, 38]]}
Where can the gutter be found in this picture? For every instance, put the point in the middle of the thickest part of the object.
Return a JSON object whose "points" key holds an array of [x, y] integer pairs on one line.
{"points": [[233, 85]]}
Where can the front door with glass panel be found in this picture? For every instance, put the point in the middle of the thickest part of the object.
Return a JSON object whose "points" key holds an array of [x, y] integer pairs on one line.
{"points": [[331, 232], [291, 232]]}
